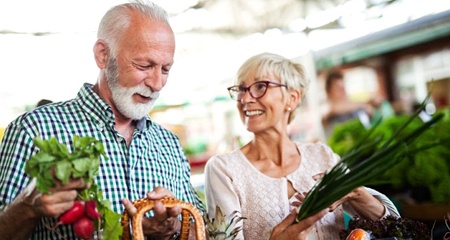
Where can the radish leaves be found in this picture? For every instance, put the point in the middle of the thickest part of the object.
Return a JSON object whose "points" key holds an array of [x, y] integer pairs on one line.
{"points": [[54, 162]]}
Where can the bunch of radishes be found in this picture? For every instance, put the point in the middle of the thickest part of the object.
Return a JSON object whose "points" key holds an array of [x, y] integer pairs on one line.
{"points": [[54, 162], [82, 216]]}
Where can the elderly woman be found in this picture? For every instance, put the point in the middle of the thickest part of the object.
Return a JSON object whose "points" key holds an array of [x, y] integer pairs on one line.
{"points": [[265, 178]]}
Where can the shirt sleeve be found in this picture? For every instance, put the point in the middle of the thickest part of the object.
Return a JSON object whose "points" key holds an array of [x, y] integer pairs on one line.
{"points": [[219, 189], [15, 149], [389, 207], [218, 186]]}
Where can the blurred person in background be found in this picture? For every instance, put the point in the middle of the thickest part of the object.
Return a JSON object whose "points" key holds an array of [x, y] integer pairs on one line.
{"points": [[43, 102], [340, 108], [266, 178], [134, 53]]}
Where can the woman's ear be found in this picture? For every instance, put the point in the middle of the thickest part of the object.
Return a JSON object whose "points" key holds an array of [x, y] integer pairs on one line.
{"points": [[295, 98], [101, 53]]}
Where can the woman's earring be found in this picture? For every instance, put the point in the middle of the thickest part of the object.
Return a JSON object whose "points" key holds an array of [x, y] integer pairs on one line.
{"points": [[289, 109]]}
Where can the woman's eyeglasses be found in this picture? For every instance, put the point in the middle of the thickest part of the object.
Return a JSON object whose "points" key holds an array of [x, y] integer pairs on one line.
{"points": [[256, 90]]}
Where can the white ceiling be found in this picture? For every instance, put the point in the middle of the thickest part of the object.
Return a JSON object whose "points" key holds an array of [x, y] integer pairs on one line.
{"points": [[225, 16], [47, 44]]}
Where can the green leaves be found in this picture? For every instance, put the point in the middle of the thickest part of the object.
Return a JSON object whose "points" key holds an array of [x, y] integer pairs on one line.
{"points": [[112, 229], [369, 158], [63, 170], [222, 227], [55, 160], [55, 163]]}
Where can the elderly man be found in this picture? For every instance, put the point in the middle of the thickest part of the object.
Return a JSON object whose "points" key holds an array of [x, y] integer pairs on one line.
{"points": [[134, 52]]}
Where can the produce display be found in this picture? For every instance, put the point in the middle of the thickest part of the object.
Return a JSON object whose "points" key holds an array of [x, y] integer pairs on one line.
{"points": [[54, 162], [428, 169], [388, 228]]}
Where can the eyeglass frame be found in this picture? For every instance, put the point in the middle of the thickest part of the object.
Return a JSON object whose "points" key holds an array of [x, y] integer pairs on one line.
{"points": [[243, 90]]}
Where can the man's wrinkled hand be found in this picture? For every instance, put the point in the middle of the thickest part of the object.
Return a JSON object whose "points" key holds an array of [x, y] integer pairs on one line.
{"points": [[61, 198], [164, 222]]}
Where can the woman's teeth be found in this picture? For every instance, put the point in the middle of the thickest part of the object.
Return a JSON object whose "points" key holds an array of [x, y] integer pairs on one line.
{"points": [[253, 113]]}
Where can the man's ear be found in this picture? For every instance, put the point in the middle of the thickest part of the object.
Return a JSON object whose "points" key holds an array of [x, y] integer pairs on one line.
{"points": [[101, 53]]}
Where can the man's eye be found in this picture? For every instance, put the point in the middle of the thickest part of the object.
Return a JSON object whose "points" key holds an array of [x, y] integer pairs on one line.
{"points": [[165, 70], [141, 67]]}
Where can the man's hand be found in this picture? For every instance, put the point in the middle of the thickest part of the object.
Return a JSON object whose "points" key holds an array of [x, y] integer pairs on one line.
{"points": [[21, 216], [165, 221], [61, 198]]}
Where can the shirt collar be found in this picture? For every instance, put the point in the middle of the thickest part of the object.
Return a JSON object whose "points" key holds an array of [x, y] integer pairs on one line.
{"points": [[101, 111]]}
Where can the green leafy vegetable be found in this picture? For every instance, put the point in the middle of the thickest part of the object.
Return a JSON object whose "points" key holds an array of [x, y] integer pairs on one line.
{"points": [[365, 161], [389, 228], [55, 160], [54, 163], [427, 169]]}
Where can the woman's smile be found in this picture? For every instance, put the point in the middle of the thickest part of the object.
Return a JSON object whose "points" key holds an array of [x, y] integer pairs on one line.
{"points": [[253, 113]]}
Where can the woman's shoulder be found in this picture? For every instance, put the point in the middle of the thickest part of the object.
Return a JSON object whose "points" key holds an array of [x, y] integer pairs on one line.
{"points": [[313, 146], [317, 151], [227, 159]]}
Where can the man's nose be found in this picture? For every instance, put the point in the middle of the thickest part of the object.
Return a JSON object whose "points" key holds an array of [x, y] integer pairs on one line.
{"points": [[155, 79]]}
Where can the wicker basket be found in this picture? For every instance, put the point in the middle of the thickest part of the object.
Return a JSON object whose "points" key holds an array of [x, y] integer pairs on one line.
{"points": [[144, 205]]}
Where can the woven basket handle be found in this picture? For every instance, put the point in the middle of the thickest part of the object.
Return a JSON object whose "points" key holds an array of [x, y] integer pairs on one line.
{"points": [[144, 205]]}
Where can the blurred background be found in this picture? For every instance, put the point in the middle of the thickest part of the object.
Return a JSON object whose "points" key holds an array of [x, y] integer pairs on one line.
{"points": [[395, 49]]}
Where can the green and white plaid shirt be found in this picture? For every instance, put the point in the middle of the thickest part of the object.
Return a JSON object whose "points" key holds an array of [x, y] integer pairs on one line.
{"points": [[154, 157]]}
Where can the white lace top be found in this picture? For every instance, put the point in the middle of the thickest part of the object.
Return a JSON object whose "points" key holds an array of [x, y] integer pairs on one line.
{"points": [[233, 183]]}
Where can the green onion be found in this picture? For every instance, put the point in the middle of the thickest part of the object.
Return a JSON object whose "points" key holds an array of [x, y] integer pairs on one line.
{"points": [[364, 163]]}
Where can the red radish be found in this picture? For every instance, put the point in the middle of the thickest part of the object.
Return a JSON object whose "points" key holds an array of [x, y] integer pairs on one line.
{"points": [[84, 228], [73, 214], [91, 209]]}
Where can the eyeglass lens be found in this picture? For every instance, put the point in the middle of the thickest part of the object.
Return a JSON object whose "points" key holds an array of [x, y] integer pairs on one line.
{"points": [[257, 90]]}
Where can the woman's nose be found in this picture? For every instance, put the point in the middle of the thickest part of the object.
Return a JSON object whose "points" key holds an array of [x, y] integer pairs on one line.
{"points": [[246, 97]]}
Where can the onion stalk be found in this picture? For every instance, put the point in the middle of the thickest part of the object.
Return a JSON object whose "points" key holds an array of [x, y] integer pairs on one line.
{"points": [[364, 163]]}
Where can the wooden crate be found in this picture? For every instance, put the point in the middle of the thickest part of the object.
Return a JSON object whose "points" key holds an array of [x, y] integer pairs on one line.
{"points": [[424, 211]]}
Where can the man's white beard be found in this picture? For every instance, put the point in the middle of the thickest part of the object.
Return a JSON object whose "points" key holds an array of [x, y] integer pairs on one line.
{"points": [[123, 97], [124, 102]]}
